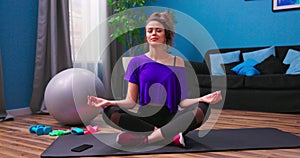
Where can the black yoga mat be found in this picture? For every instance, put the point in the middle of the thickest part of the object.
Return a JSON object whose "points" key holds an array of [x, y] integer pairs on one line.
{"points": [[215, 140]]}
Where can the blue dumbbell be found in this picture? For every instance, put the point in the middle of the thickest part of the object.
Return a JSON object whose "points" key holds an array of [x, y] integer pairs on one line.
{"points": [[47, 130], [40, 129], [36, 129], [77, 131]]}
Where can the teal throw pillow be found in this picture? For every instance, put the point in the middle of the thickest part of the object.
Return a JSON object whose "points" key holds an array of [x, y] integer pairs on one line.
{"points": [[259, 55], [246, 68], [224, 58]]}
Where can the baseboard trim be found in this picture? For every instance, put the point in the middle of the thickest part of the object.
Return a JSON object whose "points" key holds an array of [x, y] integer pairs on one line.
{"points": [[19, 112]]}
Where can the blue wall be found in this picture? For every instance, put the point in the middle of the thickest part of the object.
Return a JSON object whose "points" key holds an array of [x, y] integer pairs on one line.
{"points": [[237, 23], [17, 40], [231, 23]]}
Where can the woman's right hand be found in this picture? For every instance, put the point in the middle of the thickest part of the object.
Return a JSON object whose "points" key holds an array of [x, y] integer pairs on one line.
{"points": [[212, 98], [97, 102]]}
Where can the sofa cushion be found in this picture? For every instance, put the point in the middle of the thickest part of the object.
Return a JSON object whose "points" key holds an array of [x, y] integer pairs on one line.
{"points": [[291, 56], [294, 68], [246, 68], [224, 58], [228, 81], [273, 81], [259, 55], [271, 65]]}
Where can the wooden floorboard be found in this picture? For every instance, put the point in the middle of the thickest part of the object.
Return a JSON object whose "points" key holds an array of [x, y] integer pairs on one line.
{"points": [[16, 141]]}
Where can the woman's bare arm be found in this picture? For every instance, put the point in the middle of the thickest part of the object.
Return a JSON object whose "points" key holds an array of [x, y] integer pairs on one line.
{"points": [[128, 102], [211, 98]]}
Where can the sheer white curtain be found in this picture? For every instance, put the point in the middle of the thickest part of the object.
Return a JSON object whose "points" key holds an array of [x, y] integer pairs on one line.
{"points": [[89, 35]]}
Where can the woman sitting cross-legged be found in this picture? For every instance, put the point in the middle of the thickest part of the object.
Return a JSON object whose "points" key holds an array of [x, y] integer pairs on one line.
{"points": [[158, 80]]}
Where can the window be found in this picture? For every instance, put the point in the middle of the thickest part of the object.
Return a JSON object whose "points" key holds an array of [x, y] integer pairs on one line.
{"points": [[87, 38]]}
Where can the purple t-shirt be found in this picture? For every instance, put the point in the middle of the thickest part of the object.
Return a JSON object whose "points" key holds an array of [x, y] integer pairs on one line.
{"points": [[158, 83]]}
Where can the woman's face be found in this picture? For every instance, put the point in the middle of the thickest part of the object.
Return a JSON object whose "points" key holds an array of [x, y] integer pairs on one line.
{"points": [[155, 33]]}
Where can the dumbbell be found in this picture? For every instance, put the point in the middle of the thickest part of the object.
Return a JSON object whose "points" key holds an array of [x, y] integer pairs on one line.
{"points": [[40, 129], [59, 132], [77, 131], [91, 129]]}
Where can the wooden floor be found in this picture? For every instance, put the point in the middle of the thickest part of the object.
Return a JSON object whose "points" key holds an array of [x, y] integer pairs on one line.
{"points": [[17, 142]]}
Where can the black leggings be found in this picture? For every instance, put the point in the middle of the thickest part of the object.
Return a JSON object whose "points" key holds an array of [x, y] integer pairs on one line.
{"points": [[170, 123]]}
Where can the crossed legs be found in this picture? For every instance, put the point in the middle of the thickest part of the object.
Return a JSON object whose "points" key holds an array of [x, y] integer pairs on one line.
{"points": [[160, 126]]}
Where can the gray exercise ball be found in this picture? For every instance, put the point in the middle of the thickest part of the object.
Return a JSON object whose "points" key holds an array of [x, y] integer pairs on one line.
{"points": [[66, 96]]}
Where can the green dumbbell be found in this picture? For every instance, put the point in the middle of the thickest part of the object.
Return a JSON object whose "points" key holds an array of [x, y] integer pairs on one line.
{"points": [[59, 132]]}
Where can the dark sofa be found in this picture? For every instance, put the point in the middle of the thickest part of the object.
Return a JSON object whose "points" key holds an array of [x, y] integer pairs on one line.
{"points": [[263, 92]]}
